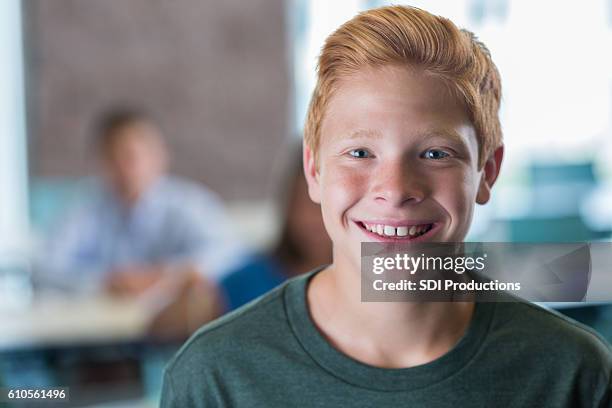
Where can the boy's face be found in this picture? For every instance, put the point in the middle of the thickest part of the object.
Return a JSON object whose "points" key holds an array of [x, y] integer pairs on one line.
{"points": [[398, 155]]}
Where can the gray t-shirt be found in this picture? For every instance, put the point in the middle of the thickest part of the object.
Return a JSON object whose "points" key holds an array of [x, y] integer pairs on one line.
{"points": [[270, 354]]}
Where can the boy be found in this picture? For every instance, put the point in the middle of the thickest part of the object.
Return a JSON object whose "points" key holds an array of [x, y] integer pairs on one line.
{"points": [[402, 138]]}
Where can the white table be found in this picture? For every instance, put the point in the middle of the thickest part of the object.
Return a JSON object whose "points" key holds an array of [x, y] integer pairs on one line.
{"points": [[57, 320]]}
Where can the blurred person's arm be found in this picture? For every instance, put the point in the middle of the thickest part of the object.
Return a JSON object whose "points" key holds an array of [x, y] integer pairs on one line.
{"points": [[197, 235], [205, 238], [72, 257], [134, 280], [205, 248]]}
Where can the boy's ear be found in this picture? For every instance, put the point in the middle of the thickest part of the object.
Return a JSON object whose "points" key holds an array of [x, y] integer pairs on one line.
{"points": [[489, 175], [312, 175]]}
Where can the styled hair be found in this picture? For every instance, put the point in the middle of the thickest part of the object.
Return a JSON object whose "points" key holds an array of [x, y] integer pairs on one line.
{"points": [[411, 37]]}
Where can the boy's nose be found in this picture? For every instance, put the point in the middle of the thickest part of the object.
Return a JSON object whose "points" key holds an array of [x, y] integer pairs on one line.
{"points": [[398, 185]]}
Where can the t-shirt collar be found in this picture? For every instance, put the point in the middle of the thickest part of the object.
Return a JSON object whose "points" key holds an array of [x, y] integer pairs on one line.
{"points": [[376, 378]]}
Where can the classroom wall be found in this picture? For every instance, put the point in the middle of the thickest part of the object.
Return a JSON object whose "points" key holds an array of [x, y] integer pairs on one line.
{"points": [[216, 73]]}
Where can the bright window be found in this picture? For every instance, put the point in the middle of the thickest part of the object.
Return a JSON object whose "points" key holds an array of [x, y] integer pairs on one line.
{"points": [[13, 179]]}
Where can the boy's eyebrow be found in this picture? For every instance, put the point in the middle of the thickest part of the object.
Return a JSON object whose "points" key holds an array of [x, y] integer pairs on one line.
{"points": [[446, 133], [443, 132], [365, 133]]}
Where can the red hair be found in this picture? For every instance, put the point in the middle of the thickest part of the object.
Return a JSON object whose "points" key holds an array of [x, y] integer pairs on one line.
{"points": [[400, 35]]}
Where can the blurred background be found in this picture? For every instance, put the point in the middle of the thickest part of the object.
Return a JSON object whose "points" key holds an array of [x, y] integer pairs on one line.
{"points": [[228, 84]]}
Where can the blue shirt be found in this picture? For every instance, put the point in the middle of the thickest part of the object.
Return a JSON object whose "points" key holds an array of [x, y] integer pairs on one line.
{"points": [[174, 223], [256, 277]]}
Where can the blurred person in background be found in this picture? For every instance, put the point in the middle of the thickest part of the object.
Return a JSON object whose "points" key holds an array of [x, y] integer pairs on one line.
{"points": [[140, 227], [303, 243]]}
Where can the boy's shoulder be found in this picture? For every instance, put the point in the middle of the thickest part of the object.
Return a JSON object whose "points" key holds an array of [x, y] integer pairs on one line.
{"points": [[260, 348], [540, 331], [515, 326], [241, 331]]}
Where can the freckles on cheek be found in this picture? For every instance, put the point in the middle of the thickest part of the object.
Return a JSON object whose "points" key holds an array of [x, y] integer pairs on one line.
{"points": [[456, 193], [341, 189]]}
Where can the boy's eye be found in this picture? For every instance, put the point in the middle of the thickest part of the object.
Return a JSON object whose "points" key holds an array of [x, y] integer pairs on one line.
{"points": [[435, 154], [360, 153]]}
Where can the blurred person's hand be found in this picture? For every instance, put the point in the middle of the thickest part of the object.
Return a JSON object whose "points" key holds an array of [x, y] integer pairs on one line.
{"points": [[134, 280], [181, 298]]}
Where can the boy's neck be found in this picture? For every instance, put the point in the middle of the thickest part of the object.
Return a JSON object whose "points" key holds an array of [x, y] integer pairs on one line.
{"points": [[383, 334]]}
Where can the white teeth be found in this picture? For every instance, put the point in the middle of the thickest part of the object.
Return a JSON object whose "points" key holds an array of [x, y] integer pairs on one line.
{"points": [[389, 231], [402, 231]]}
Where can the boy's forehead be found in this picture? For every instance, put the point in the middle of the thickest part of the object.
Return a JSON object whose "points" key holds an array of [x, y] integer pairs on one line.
{"points": [[394, 77], [375, 101]]}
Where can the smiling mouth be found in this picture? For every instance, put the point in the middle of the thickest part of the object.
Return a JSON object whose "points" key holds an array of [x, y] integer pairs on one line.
{"points": [[397, 232]]}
